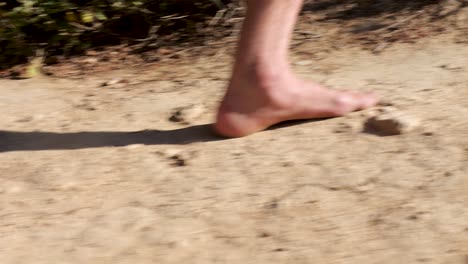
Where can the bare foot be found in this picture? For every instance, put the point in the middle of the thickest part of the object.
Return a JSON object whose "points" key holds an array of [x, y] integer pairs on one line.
{"points": [[254, 103]]}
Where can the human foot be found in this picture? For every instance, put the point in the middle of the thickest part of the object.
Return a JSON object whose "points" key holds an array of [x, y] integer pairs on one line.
{"points": [[254, 104]]}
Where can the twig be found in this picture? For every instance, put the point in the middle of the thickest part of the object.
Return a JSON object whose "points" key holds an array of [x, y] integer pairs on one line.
{"points": [[219, 15], [398, 23], [152, 35], [176, 53], [309, 34], [173, 17]]}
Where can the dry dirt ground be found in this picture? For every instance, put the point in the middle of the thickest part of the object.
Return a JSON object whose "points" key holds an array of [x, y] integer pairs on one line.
{"points": [[120, 174]]}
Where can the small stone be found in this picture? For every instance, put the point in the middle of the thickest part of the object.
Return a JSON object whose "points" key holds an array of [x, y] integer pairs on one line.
{"points": [[187, 115], [115, 82], [179, 161], [392, 123], [279, 250], [178, 157], [168, 153], [91, 60], [303, 63], [264, 235], [164, 51], [428, 134], [91, 53]]}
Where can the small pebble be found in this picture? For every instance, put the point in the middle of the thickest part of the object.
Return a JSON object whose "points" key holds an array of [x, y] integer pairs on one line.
{"points": [[164, 51], [178, 157], [168, 153], [187, 115], [91, 60], [115, 82], [303, 63]]}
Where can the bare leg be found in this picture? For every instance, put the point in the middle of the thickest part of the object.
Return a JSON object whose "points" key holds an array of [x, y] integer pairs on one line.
{"points": [[263, 90]]}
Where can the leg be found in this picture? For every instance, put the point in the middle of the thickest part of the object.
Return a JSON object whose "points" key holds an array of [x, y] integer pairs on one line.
{"points": [[263, 90]]}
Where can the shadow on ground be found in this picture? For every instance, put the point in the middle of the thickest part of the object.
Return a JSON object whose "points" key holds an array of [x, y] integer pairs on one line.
{"points": [[34, 141], [37, 140]]}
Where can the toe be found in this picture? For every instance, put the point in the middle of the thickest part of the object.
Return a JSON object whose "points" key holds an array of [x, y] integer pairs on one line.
{"points": [[346, 102], [366, 100]]}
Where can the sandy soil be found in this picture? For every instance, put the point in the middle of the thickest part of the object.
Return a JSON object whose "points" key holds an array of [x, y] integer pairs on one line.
{"points": [[130, 173]]}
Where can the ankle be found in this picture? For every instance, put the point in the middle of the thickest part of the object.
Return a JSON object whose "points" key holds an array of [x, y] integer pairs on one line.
{"points": [[268, 82], [262, 72]]}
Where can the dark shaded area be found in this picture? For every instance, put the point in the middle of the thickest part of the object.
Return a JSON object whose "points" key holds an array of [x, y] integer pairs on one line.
{"points": [[349, 9], [60, 29], [290, 123], [36, 141], [9, 4], [368, 129], [322, 5]]}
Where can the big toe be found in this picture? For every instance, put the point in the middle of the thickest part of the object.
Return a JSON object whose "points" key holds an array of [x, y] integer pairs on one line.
{"points": [[353, 101], [365, 100]]}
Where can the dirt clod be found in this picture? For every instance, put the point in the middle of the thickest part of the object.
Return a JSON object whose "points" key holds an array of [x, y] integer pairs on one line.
{"points": [[392, 123]]}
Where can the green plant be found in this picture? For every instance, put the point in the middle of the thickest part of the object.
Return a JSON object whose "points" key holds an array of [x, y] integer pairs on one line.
{"points": [[69, 27]]}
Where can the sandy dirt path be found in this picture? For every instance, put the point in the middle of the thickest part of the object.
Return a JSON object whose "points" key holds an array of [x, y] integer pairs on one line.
{"points": [[92, 174]]}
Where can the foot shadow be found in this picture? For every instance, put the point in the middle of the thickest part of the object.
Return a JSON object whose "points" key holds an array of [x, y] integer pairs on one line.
{"points": [[36, 141], [291, 123]]}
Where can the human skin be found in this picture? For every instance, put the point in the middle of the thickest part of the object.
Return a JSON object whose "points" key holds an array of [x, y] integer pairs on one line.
{"points": [[263, 89]]}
